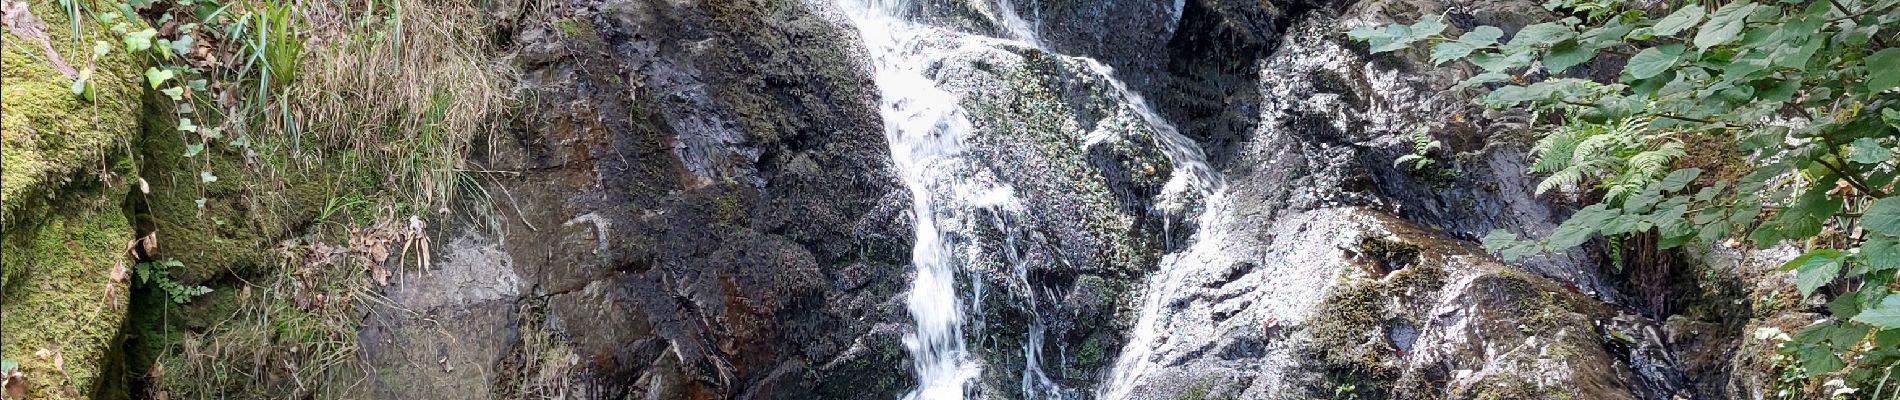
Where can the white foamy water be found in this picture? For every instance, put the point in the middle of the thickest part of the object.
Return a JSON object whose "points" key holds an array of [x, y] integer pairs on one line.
{"points": [[926, 128]]}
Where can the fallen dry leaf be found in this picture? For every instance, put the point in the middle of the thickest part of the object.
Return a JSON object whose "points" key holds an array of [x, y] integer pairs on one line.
{"points": [[118, 272], [15, 384], [20, 20]]}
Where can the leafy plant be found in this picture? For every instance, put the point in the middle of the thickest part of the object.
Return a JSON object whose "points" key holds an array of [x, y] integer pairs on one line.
{"points": [[158, 273], [1804, 88], [1422, 146]]}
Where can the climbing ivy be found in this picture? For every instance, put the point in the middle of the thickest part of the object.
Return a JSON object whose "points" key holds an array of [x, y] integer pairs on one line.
{"points": [[159, 273], [1805, 88]]}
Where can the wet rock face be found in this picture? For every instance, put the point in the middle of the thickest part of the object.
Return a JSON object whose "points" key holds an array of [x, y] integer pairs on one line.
{"points": [[1290, 290], [690, 206]]}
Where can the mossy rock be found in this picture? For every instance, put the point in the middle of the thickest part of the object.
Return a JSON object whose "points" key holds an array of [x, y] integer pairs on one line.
{"points": [[52, 137], [61, 196], [66, 301]]}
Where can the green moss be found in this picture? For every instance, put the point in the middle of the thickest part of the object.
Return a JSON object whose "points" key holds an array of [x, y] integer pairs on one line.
{"points": [[49, 136], [60, 195], [65, 301], [1512, 387], [1347, 335], [575, 28]]}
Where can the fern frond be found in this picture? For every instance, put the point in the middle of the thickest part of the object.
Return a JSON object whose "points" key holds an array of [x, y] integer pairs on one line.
{"points": [[1554, 151]]}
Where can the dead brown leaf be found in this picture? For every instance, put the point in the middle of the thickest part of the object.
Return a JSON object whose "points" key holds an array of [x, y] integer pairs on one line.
{"points": [[118, 272], [19, 19], [15, 384]]}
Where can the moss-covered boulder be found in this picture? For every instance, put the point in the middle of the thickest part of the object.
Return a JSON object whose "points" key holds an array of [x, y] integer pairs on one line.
{"points": [[65, 231]]}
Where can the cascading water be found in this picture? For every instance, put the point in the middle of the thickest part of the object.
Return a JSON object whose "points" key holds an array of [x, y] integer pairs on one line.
{"points": [[927, 129]]}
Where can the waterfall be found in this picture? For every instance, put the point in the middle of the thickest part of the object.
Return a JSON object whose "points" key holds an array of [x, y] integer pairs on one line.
{"points": [[926, 128]]}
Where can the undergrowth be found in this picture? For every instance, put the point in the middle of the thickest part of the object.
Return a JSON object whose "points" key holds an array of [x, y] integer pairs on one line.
{"points": [[331, 130]]}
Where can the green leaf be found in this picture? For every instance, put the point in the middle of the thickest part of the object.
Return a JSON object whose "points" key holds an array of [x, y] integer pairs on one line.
{"points": [[1815, 269], [1867, 151], [1448, 51], [101, 48], [184, 124], [175, 93], [1485, 78], [1679, 21], [1885, 315], [1680, 179], [157, 76], [1880, 252], [140, 41], [1580, 227], [206, 177], [1724, 24], [1567, 54], [1818, 359], [82, 86], [1653, 61], [1891, 117], [1483, 36], [1882, 216], [1497, 240], [1542, 34], [193, 149], [1883, 70], [1427, 26]]}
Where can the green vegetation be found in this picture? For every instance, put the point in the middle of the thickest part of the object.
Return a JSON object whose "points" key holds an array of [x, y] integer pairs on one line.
{"points": [[155, 273], [1805, 88], [263, 158]]}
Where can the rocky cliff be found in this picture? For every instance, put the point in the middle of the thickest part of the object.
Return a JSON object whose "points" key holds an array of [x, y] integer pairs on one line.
{"points": [[706, 199]]}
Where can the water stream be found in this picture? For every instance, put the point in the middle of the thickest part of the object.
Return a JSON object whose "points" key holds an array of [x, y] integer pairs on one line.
{"points": [[927, 130]]}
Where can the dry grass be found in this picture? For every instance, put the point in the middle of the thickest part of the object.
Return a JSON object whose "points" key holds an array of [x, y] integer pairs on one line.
{"points": [[407, 83], [400, 88]]}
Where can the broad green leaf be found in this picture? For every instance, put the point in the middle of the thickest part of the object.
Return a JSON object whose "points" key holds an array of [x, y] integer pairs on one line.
{"points": [[140, 41], [1481, 79], [1883, 70], [1868, 151], [206, 177], [1885, 315], [185, 125], [101, 48], [1503, 60], [1497, 239], [175, 93], [1653, 61], [1880, 252], [1448, 51], [1580, 227], [1816, 358], [1814, 269], [157, 76], [1679, 21], [1542, 34], [1482, 36], [192, 150], [1724, 25], [1427, 26], [1891, 117], [1882, 216], [1680, 179], [1566, 54]]}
